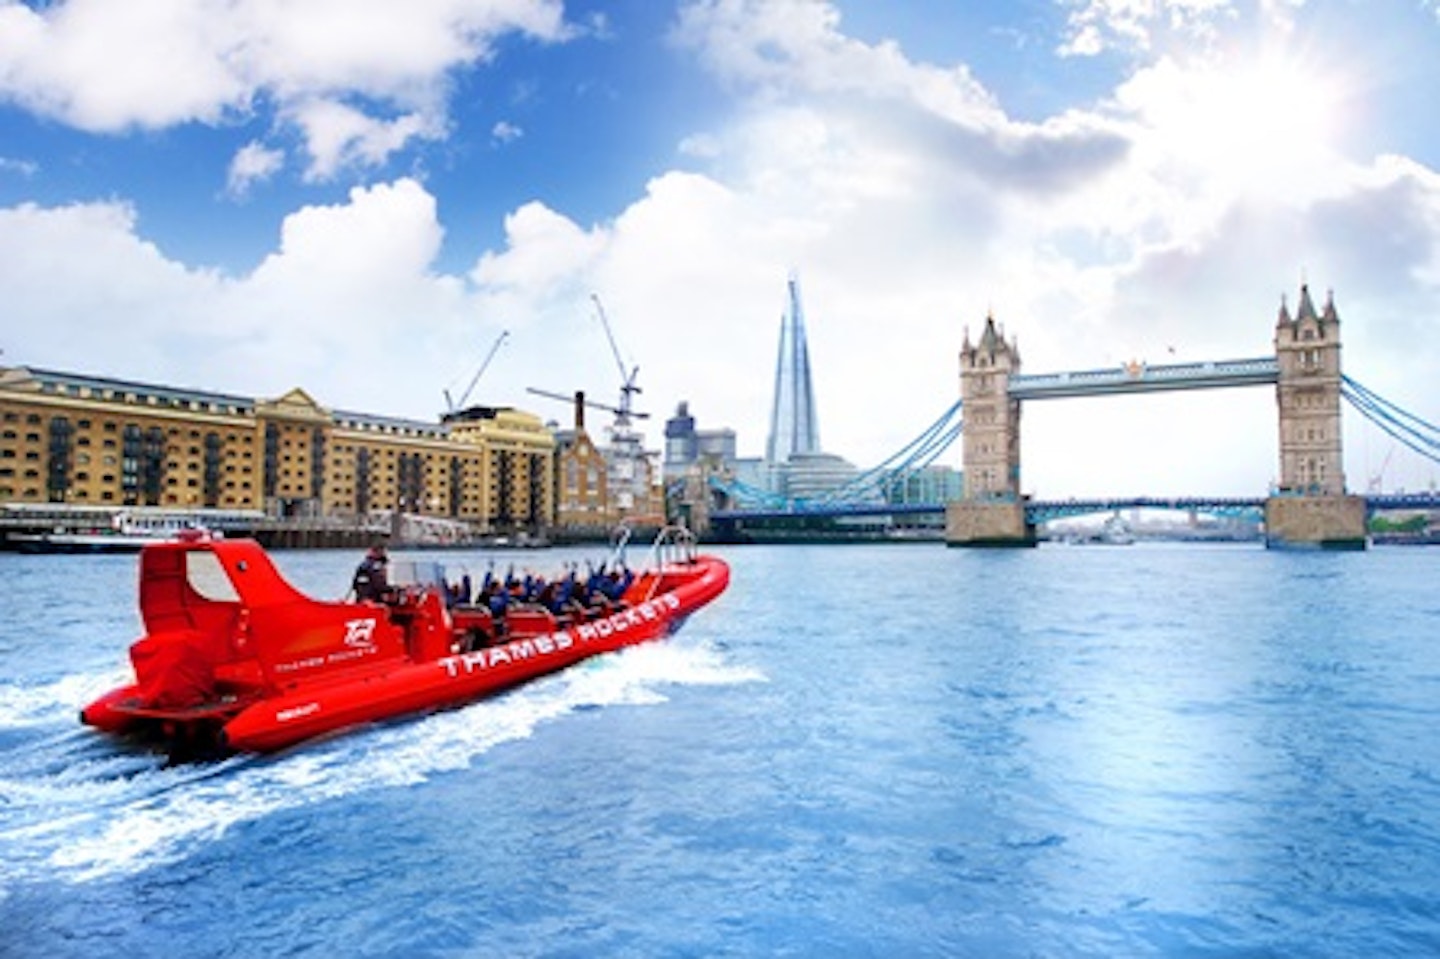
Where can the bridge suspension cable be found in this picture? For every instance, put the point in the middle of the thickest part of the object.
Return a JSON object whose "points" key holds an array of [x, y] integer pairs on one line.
{"points": [[869, 486], [874, 483], [748, 494], [914, 456], [1417, 434]]}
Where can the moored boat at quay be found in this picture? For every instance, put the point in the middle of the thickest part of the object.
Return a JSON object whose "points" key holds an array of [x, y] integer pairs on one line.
{"points": [[126, 532], [235, 659]]}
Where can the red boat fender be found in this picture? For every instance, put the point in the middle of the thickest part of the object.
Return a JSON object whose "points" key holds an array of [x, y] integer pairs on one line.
{"points": [[103, 715]]}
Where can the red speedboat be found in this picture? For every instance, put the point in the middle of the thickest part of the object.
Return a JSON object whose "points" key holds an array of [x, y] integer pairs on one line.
{"points": [[234, 658]]}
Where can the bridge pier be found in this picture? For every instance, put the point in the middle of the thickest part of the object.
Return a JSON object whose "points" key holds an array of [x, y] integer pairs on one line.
{"points": [[980, 523], [1315, 522]]}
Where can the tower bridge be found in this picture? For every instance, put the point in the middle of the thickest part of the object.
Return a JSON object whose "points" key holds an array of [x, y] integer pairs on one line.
{"points": [[1310, 505]]}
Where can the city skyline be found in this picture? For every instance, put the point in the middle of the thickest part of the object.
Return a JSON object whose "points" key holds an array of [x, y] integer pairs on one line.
{"points": [[356, 200]]}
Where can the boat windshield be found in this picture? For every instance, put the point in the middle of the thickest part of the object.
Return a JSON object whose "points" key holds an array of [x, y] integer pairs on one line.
{"points": [[207, 577], [417, 573]]}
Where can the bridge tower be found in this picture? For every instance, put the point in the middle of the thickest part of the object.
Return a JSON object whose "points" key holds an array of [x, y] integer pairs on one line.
{"points": [[1307, 354], [991, 448], [991, 512], [1310, 506]]}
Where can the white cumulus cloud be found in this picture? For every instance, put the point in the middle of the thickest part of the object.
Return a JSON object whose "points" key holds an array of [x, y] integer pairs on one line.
{"points": [[354, 78], [252, 163]]}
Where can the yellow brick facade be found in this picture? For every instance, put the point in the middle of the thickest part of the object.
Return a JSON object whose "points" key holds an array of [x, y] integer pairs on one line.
{"points": [[82, 440]]}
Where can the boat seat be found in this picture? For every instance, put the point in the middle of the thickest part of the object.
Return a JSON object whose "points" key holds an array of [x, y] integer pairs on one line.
{"points": [[528, 620]]}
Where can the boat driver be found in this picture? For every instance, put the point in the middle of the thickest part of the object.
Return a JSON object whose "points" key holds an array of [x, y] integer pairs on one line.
{"points": [[371, 581]]}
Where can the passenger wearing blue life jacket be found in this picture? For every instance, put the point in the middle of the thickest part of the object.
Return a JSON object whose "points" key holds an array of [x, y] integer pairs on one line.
{"points": [[616, 583], [563, 600], [496, 598], [548, 597], [593, 583], [569, 598]]}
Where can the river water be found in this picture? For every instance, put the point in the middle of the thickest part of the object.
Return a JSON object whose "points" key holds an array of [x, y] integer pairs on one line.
{"points": [[889, 751]]}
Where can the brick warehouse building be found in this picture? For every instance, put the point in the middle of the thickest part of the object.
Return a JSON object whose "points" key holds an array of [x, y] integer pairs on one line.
{"points": [[86, 440]]}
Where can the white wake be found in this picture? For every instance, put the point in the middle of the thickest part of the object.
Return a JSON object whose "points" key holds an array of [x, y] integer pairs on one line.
{"points": [[110, 812]]}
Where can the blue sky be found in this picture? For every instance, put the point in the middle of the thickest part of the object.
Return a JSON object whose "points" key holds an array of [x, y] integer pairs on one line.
{"points": [[357, 196]]}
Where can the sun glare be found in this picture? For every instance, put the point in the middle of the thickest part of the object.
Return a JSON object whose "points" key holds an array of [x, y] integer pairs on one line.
{"points": [[1257, 125], [1273, 101]]}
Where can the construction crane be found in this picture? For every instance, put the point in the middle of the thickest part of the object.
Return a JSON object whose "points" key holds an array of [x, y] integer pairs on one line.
{"points": [[628, 387], [626, 458], [494, 348], [624, 455], [1378, 480], [580, 397]]}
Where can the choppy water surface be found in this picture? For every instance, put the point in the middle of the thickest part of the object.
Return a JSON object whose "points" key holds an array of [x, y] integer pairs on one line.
{"points": [[858, 751]]}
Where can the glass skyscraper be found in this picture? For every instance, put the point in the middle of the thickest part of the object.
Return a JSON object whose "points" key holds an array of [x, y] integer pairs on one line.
{"points": [[794, 428]]}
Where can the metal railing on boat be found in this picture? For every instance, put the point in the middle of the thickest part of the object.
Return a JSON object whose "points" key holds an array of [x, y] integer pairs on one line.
{"points": [[673, 546]]}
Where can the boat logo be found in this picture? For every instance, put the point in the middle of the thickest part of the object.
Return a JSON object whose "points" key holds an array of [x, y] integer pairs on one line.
{"points": [[296, 712], [360, 633]]}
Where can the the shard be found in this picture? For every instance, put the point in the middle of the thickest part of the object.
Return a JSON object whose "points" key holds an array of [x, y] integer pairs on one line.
{"points": [[794, 428]]}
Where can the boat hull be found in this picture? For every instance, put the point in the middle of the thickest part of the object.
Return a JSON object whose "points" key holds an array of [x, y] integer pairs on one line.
{"points": [[450, 681], [234, 659]]}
